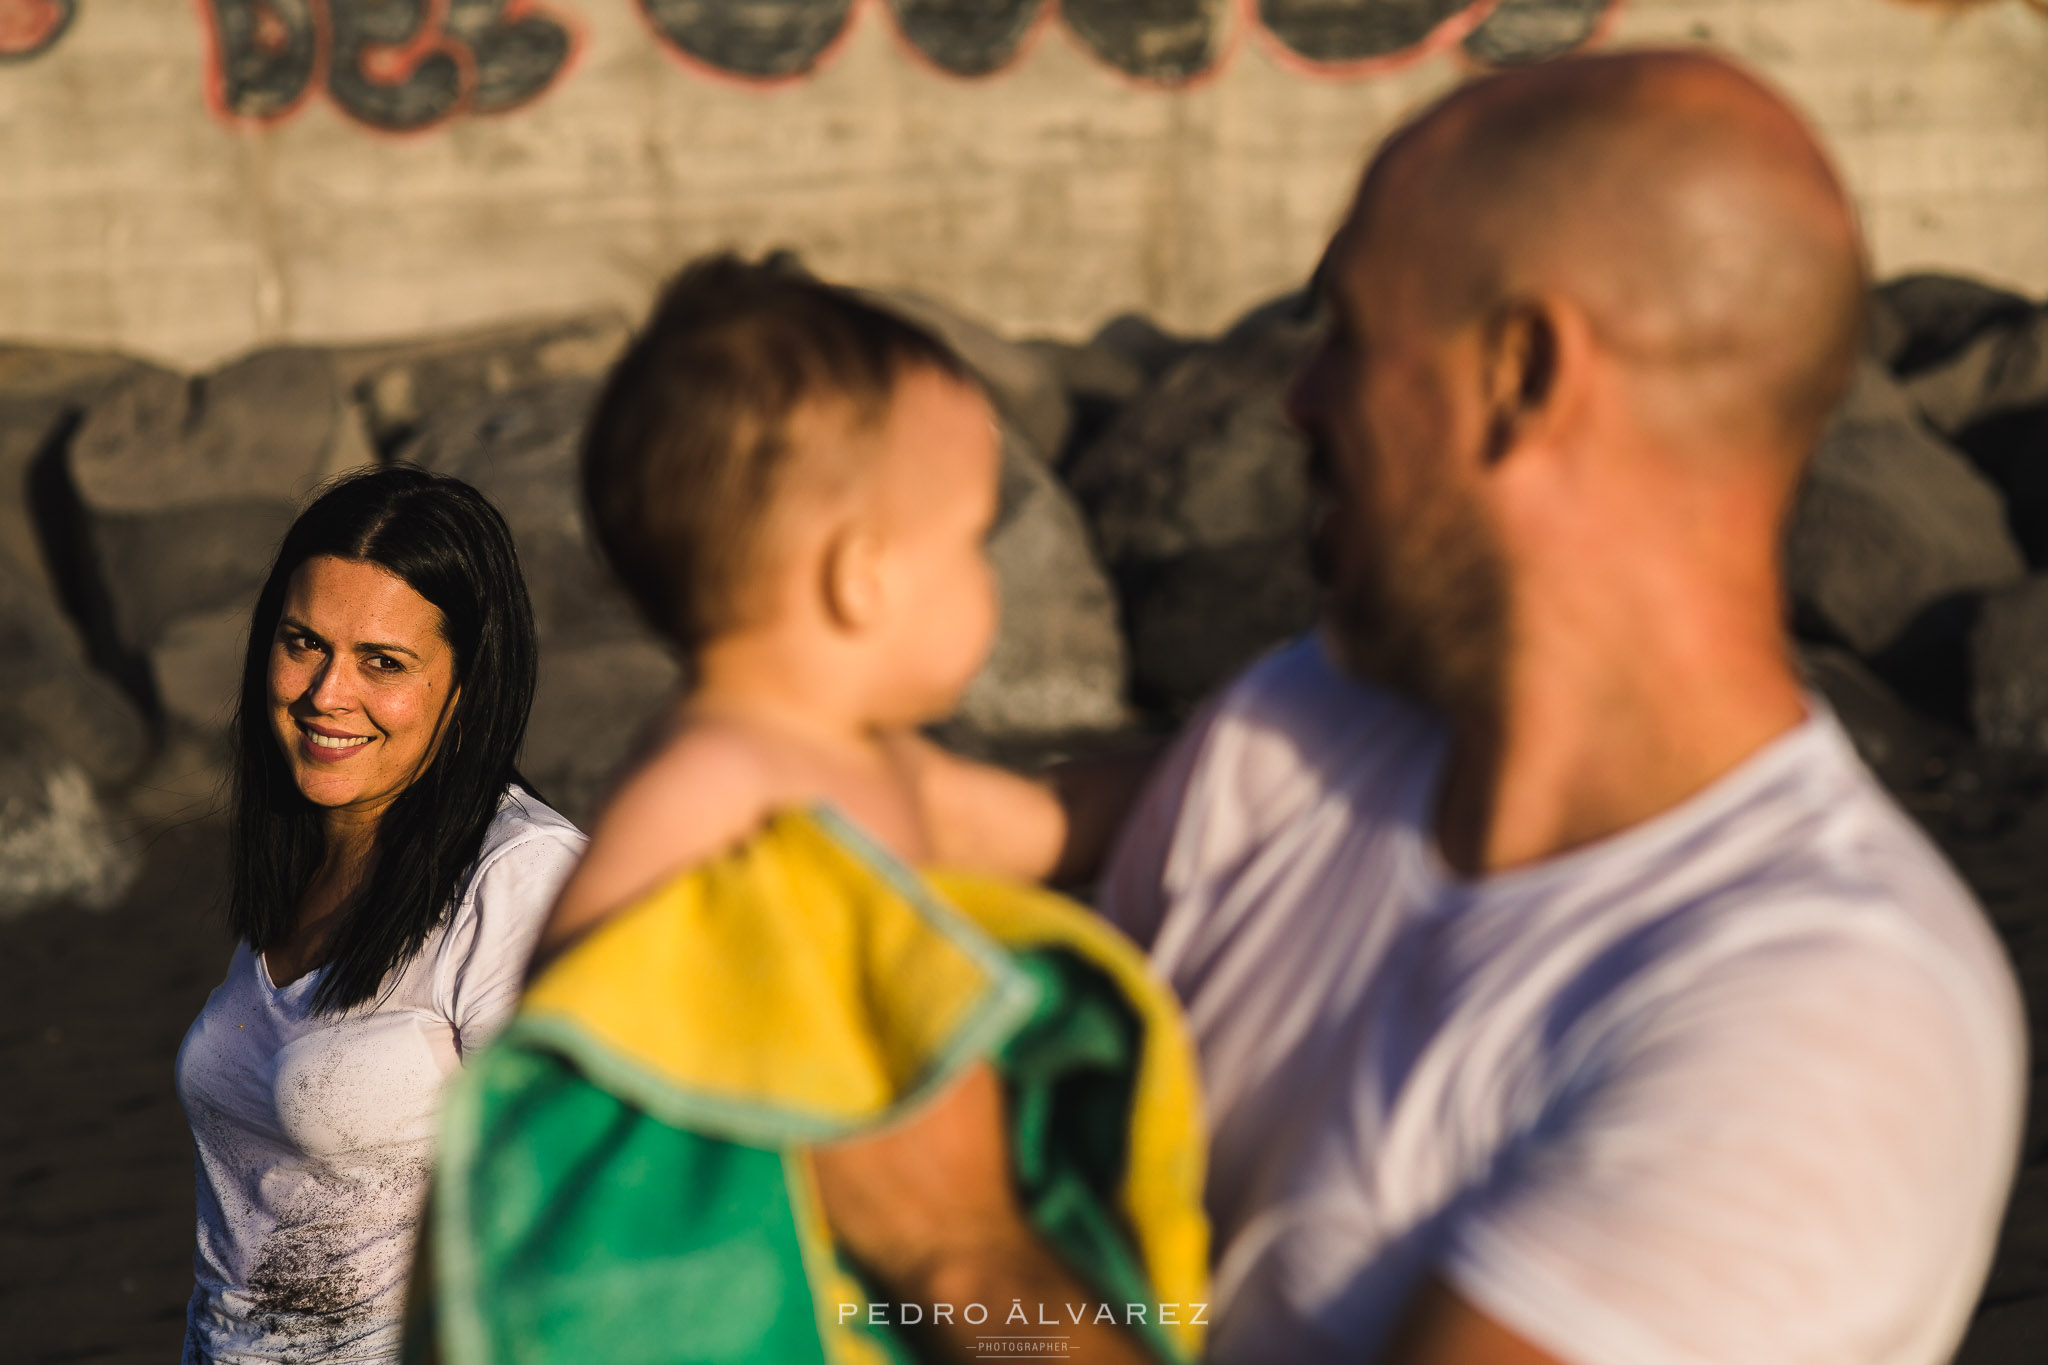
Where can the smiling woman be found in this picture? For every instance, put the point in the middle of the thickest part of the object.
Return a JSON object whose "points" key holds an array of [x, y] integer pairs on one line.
{"points": [[391, 870]]}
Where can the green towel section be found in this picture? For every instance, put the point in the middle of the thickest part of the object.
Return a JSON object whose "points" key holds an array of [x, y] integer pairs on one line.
{"points": [[623, 1173]]}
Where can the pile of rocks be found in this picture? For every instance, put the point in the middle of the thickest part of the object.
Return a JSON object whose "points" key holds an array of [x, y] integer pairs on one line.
{"points": [[1151, 539]]}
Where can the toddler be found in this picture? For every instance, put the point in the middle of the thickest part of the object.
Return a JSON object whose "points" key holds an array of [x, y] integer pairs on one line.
{"points": [[766, 1044]]}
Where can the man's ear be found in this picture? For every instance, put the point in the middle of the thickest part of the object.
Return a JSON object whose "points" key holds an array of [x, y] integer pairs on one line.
{"points": [[851, 577], [1525, 344]]}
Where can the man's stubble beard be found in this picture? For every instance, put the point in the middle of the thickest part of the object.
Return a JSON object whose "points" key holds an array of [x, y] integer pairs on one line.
{"points": [[1428, 616]]}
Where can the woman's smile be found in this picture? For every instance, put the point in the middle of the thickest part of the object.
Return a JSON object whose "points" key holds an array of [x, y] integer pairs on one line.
{"points": [[324, 745]]}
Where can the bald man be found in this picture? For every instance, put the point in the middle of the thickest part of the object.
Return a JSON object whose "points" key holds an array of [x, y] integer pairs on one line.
{"points": [[1566, 991]]}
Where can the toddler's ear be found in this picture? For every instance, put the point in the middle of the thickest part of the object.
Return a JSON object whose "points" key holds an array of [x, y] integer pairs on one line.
{"points": [[852, 577]]}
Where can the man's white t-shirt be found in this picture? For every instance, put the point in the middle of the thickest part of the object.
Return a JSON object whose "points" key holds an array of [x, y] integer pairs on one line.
{"points": [[315, 1132], [1739, 1085]]}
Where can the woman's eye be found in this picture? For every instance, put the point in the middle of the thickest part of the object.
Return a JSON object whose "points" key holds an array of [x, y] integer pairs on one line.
{"points": [[384, 663]]}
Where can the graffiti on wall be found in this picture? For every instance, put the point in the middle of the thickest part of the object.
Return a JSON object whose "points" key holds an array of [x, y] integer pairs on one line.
{"points": [[31, 27], [1165, 42], [405, 65], [398, 65]]}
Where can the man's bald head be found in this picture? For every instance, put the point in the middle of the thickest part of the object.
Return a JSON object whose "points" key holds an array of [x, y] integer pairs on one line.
{"points": [[1681, 204], [1587, 320]]}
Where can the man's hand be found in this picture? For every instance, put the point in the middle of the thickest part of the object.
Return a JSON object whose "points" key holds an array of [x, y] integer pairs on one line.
{"points": [[929, 1211], [1440, 1327], [929, 1193]]}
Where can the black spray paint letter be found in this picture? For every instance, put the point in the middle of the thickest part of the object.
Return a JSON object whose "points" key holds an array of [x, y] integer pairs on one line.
{"points": [[763, 39], [388, 68], [264, 54], [1168, 41], [398, 65], [515, 56], [966, 37]]}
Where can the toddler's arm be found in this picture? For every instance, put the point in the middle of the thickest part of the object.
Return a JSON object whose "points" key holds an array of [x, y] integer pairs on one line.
{"points": [[1057, 826], [703, 793]]}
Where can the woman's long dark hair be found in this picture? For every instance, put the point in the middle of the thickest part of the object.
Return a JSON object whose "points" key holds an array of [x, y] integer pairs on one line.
{"points": [[447, 542]]}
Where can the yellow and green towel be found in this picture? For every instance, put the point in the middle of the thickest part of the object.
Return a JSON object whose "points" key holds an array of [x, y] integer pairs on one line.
{"points": [[623, 1173]]}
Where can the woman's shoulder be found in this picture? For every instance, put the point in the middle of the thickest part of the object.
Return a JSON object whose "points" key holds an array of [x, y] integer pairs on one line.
{"points": [[528, 851], [524, 818]]}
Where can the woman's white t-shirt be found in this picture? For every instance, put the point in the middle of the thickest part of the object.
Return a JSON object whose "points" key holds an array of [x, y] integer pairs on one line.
{"points": [[314, 1132]]}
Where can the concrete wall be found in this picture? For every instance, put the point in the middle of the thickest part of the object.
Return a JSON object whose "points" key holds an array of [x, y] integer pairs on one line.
{"points": [[189, 178]]}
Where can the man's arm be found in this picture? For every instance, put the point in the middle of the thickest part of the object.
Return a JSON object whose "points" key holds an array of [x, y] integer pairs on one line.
{"points": [[1801, 1149], [927, 1210], [1441, 1328]]}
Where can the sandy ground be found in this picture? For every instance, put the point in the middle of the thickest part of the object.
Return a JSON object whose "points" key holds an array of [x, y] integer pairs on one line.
{"points": [[96, 1220]]}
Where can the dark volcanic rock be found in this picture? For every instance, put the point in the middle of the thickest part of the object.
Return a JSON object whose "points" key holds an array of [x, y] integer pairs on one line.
{"points": [[1198, 496], [2001, 369], [520, 450], [81, 721], [1989, 812], [196, 667], [1143, 343], [592, 708], [32, 433], [602, 674], [1092, 370], [50, 681], [65, 733], [270, 427], [33, 373], [42, 395], [47, 688], [2009, 667], [187, 561], [1059, 663], [175, 492], [1204, 616], [1203, 458], [399, 386], [1890, 524], [1098, 381], [1921, 319], [56, 844], [1990, 396], [1892, 739], [2012, 450]]}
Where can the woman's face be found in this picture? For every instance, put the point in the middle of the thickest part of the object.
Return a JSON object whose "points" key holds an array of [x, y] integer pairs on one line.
{"points": [[360, 680]]}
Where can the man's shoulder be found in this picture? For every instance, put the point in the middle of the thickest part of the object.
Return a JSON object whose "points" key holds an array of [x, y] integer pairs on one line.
{"points": [[1820, 864], [1300, 685], [1290, 736], [1852, 846], [1295, 710]]}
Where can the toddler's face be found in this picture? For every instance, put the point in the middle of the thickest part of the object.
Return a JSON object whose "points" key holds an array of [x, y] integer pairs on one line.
{"points": [[940, 468]]}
